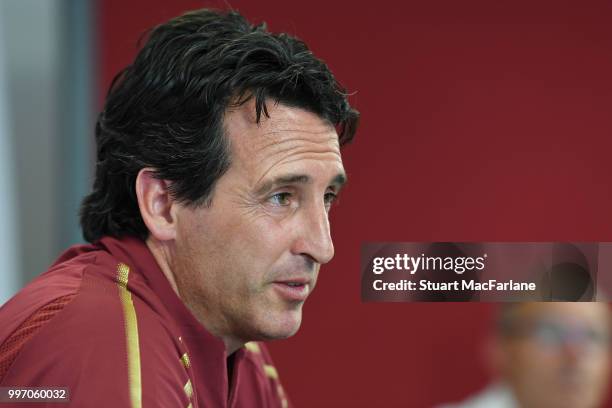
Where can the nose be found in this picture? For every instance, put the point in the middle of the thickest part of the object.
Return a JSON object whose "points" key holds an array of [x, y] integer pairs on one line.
{"points": [[314, 235], [573, 355], [573, 352]]}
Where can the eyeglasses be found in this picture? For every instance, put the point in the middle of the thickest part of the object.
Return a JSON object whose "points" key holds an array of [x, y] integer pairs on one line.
{"points": [[553, 334]]}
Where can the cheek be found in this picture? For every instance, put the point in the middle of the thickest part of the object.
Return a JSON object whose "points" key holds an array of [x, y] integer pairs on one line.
{"points": [[208, 252], [264, 240], [525, 362], [233, 247], [598, 366], [210, 233], [202, 247], [541, 361]]}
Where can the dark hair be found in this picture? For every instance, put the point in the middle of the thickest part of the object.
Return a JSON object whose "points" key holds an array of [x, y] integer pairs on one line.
{"points": [[165, 111]]}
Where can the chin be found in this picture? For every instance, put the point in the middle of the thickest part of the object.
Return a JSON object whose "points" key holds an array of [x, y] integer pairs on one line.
{"points": [[280, 327]]}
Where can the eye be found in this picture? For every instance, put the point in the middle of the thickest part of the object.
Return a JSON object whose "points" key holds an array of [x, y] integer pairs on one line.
{"points": [[329, 198], [548, 334], [281, 199]]}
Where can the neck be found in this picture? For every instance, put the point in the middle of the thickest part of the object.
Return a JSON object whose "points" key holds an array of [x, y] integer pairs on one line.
{"points": [[162, 255]]}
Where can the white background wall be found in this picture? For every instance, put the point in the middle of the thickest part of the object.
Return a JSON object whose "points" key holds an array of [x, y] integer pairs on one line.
{"points": [[46, 132]]}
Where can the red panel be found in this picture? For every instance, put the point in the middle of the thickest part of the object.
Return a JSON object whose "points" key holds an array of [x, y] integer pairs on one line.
{"points": [[480, 121]]}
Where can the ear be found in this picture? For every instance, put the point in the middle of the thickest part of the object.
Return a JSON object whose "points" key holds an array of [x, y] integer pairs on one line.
{"points": [[156, 205]]}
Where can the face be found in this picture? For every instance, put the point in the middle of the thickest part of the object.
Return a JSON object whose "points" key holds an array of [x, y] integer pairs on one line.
{"points": [[246, 263], [559, 355]]}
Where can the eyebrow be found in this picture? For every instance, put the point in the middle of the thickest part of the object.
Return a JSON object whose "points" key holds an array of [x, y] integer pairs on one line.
{"points": [[338, 181]]}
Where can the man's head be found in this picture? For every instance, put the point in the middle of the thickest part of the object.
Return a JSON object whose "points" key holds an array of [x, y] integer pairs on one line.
{"points": [[220, 146], [555, 354]]}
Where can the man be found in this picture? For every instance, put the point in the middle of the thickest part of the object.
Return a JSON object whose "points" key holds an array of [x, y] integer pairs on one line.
{"points": [[218, 158], [549, 355]]}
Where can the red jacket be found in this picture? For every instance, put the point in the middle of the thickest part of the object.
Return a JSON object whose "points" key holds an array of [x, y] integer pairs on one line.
{"points": [[104, 322]]}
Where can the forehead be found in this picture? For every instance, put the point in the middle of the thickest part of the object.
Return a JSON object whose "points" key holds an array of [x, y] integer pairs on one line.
{"points": [[287, 132], [591, 313]]}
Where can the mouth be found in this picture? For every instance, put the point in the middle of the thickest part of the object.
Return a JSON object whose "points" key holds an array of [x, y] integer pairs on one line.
{"points": [[293, 290]]}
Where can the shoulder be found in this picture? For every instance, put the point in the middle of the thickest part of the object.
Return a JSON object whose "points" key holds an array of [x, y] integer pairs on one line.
{"points": [[92, 333]]}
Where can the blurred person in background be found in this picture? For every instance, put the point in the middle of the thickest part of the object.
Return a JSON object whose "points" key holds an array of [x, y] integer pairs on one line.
{"points": [[548, 355], [218, 159]]}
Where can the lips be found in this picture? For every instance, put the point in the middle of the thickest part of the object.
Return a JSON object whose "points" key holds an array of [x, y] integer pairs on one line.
{"points": [[293, 289]]}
